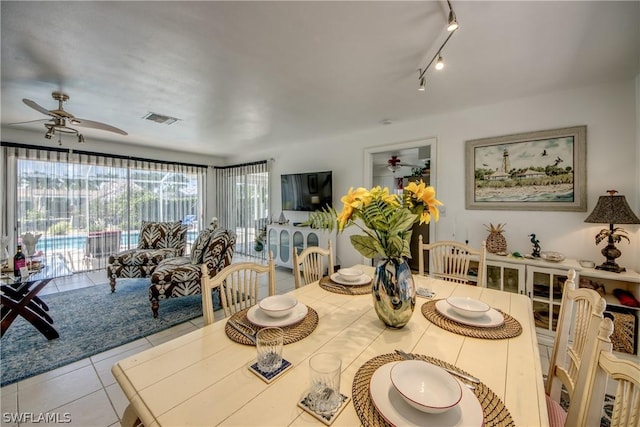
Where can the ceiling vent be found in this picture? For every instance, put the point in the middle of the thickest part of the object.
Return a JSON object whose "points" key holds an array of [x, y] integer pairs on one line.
{"points": [[159, 118]]}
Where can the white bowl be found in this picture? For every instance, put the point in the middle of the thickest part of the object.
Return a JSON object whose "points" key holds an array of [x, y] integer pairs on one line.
{"points": [[468, 307], [587, 264], [278, 305], [426, 387], [350, 274], [552, 256]]}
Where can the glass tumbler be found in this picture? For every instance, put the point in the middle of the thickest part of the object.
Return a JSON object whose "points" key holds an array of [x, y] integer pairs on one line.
{"points": [[324, 394], [269, 342]]}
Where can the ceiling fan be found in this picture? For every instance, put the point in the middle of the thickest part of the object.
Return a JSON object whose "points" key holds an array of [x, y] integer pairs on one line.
{"points": [[394, 163], [61, 119]]}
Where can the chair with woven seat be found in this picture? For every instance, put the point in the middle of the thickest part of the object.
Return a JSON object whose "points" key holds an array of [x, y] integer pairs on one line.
{"points": [[579, 318], [599, 366], [238, 285], [311, 261], [450, 260]]}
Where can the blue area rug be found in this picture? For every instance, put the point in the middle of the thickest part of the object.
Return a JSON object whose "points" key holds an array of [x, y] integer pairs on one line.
{"points": [[90, 320]]}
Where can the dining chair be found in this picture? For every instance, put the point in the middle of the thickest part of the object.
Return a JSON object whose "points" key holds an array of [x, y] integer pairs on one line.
{"points": [[579, 318], [238, 284], [601, 365], [311, 261], [449, 260]]}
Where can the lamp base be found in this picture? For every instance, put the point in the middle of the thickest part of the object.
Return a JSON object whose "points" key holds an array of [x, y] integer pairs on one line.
{"points": [[613, 267]]}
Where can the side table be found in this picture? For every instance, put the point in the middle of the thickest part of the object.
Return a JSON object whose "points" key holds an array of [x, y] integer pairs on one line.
{"points": [[20, 298]]}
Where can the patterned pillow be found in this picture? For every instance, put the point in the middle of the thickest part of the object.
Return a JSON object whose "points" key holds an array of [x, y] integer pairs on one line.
{"points": [[199, 245], [160, 235]]}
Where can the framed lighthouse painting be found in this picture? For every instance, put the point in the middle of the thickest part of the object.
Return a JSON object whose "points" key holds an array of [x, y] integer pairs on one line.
{"points": [[534, 171]]}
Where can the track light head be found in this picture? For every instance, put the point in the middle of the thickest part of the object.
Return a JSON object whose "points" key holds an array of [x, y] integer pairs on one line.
{"points": [[453, 22], [439, 63], [422, 84], [80, 138]]}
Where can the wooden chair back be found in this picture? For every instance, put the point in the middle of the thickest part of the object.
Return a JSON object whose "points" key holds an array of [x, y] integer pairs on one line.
{"points": [[238, 284], [450, 260], [580, 314], [311, 262], [600, 366]]}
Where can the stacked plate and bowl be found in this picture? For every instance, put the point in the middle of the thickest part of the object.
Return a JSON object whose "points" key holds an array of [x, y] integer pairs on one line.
{"points": [[277, 310], [350, 277], [418, 393]]}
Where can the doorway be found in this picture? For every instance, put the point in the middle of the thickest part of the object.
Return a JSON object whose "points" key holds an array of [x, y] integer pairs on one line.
{"points": [[382, 168]]}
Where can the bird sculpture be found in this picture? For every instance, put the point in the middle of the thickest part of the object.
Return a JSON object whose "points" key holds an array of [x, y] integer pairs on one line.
{"points": [[536, 246]]}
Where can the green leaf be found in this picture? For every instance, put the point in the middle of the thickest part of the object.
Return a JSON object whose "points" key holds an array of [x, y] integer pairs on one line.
{"points": [[365, 245], [327, 219]]}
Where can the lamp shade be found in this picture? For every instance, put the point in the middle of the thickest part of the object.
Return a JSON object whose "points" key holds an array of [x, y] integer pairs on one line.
{"points": [[612, 210]]}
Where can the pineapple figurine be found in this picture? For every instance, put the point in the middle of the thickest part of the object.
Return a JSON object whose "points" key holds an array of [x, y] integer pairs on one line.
{"points": [[496, 243]]}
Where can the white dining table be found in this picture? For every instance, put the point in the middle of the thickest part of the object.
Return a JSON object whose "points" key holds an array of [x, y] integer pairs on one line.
{"points": [[202, 378]]}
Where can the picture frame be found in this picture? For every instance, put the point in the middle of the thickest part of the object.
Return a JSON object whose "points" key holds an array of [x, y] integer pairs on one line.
{"points": [[532, 171]]}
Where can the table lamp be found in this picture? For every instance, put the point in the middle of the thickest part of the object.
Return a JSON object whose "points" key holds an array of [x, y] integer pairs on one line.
{"points": [[611, 210]]}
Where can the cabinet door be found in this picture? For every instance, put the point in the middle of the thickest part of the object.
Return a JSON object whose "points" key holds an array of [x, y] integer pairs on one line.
{"points": [[298, 242], [312, 239], [545, 287], [506, 277], [273, 242], [285, 249]]}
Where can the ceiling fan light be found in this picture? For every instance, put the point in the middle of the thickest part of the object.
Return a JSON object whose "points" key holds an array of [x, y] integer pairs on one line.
{"points": [[453, 22], [439, 63]]}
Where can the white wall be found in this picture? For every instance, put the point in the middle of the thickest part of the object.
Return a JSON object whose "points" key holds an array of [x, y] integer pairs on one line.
{"points": [[609, 111]]}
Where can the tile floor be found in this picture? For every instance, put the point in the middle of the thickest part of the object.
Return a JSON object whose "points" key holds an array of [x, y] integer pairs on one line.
{"points": [[85, 393]]}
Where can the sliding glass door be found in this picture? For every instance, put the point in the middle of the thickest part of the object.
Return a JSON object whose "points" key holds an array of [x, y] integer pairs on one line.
{"points": [[85, 207]]}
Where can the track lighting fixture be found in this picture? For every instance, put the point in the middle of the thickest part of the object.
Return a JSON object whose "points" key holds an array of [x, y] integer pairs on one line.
{"points": [[422, 81], [452, 27], [80, 138], [453, 22]]}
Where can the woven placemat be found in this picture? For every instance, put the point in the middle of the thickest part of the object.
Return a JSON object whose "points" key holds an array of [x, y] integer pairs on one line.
{"points": [[494, 411], [509, 329], [292, 333], [329, 285]]}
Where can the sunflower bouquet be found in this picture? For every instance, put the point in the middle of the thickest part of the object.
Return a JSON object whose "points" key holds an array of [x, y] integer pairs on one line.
{"points": [[385, 218]]}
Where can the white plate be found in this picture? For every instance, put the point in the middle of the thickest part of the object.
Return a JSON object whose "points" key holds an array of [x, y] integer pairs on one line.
{"points": [[396, 411], [362, 280], [260, 318], [491, 319]]}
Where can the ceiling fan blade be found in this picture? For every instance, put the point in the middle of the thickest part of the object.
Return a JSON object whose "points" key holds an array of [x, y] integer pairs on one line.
{"points": [[38, 107], [97, 125], [28, 121]]}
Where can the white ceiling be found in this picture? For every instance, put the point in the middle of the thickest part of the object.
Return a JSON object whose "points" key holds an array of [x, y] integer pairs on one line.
{"points": [[245, 75]]}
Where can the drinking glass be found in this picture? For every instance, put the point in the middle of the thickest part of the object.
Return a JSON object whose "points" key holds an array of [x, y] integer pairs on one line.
{"points": [[269, 342], [324, 394]]}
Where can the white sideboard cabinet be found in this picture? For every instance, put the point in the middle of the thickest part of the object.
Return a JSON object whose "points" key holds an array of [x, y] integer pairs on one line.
{"points": [[284, 239], [543, 282]]}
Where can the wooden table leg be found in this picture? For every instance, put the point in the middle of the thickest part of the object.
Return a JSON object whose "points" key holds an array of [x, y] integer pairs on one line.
{"points": [[24, 305]]}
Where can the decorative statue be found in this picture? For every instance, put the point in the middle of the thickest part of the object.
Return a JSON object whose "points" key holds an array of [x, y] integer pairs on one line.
{"points": [[29, 242], [536, 246]]}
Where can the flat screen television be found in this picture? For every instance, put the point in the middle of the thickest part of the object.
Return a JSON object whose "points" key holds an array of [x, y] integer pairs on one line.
{"points": [[306, 191]]}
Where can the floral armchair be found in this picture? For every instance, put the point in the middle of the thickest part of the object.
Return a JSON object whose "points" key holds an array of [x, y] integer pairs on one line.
{"points": [[157, 241], [181, 276]]}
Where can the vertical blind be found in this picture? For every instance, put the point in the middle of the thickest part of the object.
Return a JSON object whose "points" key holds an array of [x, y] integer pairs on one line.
{"points": [[87, 206], [242, 202]]}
